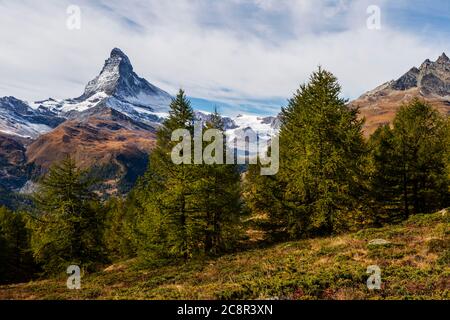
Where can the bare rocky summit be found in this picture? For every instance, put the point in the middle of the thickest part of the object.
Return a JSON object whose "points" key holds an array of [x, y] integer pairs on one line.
{"points": [[430, 82]]}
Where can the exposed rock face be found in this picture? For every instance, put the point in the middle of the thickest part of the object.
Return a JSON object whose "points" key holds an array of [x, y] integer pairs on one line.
{"points": [[117, 79], [407, 81], [18, 118], [274, 122], [120, 88], [228, 123], [113, 77], [430, 82], [430, 78]]}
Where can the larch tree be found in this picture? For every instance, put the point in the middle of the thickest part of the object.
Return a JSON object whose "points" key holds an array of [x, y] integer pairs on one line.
{"points": [[322, 159], [68, 225], [411, 161]]}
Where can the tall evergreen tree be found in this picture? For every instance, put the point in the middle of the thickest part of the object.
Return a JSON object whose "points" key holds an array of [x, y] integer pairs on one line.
{"points": [[264, 198], [322, 157], [187, 209], [411, 161], [168, 224], [386, 182], [119, 228], [68, 226], [218, 194]]}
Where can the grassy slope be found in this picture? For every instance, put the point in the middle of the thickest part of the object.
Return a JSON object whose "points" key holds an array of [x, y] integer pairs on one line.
{"points": [[416, 265]]}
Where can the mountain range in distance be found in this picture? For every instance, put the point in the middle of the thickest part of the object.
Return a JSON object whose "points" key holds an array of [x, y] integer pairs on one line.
{"points": [[430, 82], [110, 128]]}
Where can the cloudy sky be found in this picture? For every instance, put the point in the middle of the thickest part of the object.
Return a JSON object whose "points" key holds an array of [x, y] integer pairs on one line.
{"points": [[249, 55]]}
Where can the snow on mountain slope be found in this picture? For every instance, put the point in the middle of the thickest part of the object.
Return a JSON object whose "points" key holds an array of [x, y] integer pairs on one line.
{"points": [[18, 118], [110, 127], [263, 127], [118, 79], [121, 88]]}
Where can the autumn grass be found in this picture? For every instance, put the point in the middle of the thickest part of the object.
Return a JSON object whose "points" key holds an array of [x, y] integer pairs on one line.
{"points": [[415, 264]]}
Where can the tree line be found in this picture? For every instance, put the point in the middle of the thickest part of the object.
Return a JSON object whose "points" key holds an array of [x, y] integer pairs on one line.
{"points": [[331, 180]]}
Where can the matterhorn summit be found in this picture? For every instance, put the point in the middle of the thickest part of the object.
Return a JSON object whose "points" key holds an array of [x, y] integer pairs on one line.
{"points": [[117, 87], [117, 68], [117, 79]]}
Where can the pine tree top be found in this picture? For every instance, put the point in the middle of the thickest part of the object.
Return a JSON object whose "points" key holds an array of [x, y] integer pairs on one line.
{"points": [[181, 114]]}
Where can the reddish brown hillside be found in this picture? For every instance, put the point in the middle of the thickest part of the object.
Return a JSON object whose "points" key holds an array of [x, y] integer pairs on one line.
{"points": [[103, 137], [430, 82]]}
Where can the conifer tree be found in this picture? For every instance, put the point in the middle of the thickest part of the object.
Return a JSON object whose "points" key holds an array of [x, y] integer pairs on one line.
{"points": [[411, 161], [168, 223], [69, 224], [385, 181], [218, 194], [119, 228], [263, 195], [322, 157], [187, 209]]}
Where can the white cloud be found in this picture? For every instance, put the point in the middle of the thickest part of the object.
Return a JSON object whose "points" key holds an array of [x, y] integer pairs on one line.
{"points": [[223, 50]]}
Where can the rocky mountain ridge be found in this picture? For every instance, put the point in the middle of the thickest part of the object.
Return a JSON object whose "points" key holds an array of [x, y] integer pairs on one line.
{"points": [[430, 82]]}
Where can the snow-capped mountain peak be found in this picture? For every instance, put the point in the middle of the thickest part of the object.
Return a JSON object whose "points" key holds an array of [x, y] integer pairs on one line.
{"points": [[118, 80], [120, 88], [118, 65]]}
